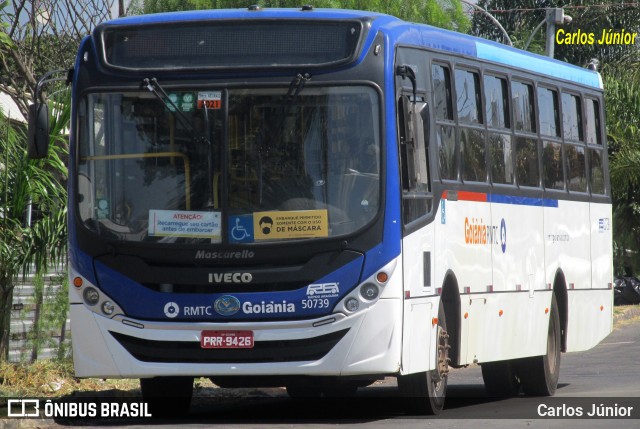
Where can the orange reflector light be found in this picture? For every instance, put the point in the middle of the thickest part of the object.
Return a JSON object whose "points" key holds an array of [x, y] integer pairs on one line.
{"points": [[466, 315], [77, 282], [500, 313], [382, 277], [434, 321], [546, 311], [601, 307]]}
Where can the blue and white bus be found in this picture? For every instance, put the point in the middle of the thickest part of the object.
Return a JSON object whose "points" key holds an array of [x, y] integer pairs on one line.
{"points": [[318, 199]]}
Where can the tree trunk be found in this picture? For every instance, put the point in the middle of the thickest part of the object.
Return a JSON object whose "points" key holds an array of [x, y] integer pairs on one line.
{"points": [[63, 332], [35, 330], [6, 304]]}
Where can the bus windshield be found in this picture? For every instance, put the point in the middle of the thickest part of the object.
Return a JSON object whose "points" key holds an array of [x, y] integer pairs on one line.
{"points": [[237, 165]]}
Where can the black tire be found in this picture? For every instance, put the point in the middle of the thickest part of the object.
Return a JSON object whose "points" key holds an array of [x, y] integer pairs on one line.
{"points": [[167, 396], [425, 392], [339, 389], [500, 379], [539, 374], [304, 390]]}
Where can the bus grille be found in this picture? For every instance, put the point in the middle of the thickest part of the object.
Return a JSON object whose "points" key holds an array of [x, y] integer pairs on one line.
{"points": [[307, 349]]}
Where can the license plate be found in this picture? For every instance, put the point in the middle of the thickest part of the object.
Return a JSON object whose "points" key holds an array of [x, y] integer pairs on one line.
{"points": [[226, 340]]}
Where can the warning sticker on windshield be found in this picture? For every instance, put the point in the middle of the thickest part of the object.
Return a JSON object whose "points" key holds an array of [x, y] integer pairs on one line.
{"points": [[290, 224], [186, 224], [210, 99]]}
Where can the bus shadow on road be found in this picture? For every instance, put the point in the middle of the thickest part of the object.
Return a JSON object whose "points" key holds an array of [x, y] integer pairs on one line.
{"points": [[369, 405]]}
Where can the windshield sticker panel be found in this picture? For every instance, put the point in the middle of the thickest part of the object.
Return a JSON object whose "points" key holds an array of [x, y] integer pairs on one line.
{"points": [[210, 99], [290, 224], [241, 229], [185, 101], [188, 224]]}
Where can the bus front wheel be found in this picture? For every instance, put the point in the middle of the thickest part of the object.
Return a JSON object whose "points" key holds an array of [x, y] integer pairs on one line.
{"points": [[167, 396], [539, 374], [424, 392]]}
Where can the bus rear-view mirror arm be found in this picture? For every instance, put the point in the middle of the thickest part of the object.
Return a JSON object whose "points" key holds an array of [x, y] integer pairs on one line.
{"points": [[406, 72]]}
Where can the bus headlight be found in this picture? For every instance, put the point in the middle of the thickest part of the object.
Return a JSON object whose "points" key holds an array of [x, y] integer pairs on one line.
{"points": [[369, 291], [108, 308], [91, 296], [352, 305]]}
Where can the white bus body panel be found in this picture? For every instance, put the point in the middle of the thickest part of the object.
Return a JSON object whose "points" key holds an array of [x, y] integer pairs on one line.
{"points": [[420, 303], [590, 318], [496, 252], [567, 244], [505, 252]]}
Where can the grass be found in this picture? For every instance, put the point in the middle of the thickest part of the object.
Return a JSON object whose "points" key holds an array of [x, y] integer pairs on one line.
{"points": [[51, 378], [624, 314], [54, 378]]}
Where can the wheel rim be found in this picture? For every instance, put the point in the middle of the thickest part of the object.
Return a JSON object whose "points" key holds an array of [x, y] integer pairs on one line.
{"points": [[552, 346], [439, 375]]}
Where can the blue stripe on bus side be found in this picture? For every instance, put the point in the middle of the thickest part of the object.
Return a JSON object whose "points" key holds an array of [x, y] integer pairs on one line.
{"points": [[522, 201]]}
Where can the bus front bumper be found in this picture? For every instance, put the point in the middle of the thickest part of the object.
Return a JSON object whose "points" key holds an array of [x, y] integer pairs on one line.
{"points": [[365, 343]]}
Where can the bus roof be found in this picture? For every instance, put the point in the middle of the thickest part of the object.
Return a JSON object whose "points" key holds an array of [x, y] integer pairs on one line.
{"points": [[398, 31]]}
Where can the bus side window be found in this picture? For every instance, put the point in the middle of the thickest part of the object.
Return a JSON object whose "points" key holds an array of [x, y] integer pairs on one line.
{"points": [[499, 139], [594, 140], [549, 117], [414, 134], [592, 108], [526, 142], [472, 139], [523, 108], [445, 130], [574, 148]]}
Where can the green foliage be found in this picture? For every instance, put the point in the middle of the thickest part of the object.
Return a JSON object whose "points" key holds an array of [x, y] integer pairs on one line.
{"points": [[5, 40], [51, 304], [441, 13], [622, 97], [521, 17], [27, 184]]}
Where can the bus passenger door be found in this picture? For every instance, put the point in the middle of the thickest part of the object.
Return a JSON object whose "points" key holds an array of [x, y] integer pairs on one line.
{"points": [[418, 236]]}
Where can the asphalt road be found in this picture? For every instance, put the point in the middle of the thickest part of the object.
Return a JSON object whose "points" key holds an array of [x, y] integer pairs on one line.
{"points": [[609, 374]]}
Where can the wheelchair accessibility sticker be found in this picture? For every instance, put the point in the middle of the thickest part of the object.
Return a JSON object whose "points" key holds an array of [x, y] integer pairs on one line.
{"points": [[241, 229]]}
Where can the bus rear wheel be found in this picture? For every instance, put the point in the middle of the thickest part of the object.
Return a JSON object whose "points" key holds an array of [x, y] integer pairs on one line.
{"points": [[539, 374], [500, 379], [424, 392], [167, 396]]}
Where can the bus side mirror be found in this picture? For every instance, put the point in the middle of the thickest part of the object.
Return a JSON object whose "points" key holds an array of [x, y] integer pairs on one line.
{"points": [[38, 133]]}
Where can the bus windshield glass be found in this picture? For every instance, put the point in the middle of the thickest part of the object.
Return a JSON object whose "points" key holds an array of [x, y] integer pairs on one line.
{"points": [[229, 166]]}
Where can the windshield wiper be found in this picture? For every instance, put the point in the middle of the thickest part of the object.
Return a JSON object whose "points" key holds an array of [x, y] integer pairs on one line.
{"points": [[298, 84], [153, 87]]}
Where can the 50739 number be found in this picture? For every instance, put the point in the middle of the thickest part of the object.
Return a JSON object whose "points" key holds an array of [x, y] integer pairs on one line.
{"points": [[315, 303]]}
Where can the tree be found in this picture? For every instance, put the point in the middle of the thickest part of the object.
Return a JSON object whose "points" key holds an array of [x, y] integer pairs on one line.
{"points": [[622, 98], [39, 36], [441, 13], [521, 17], [26, 183]]}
